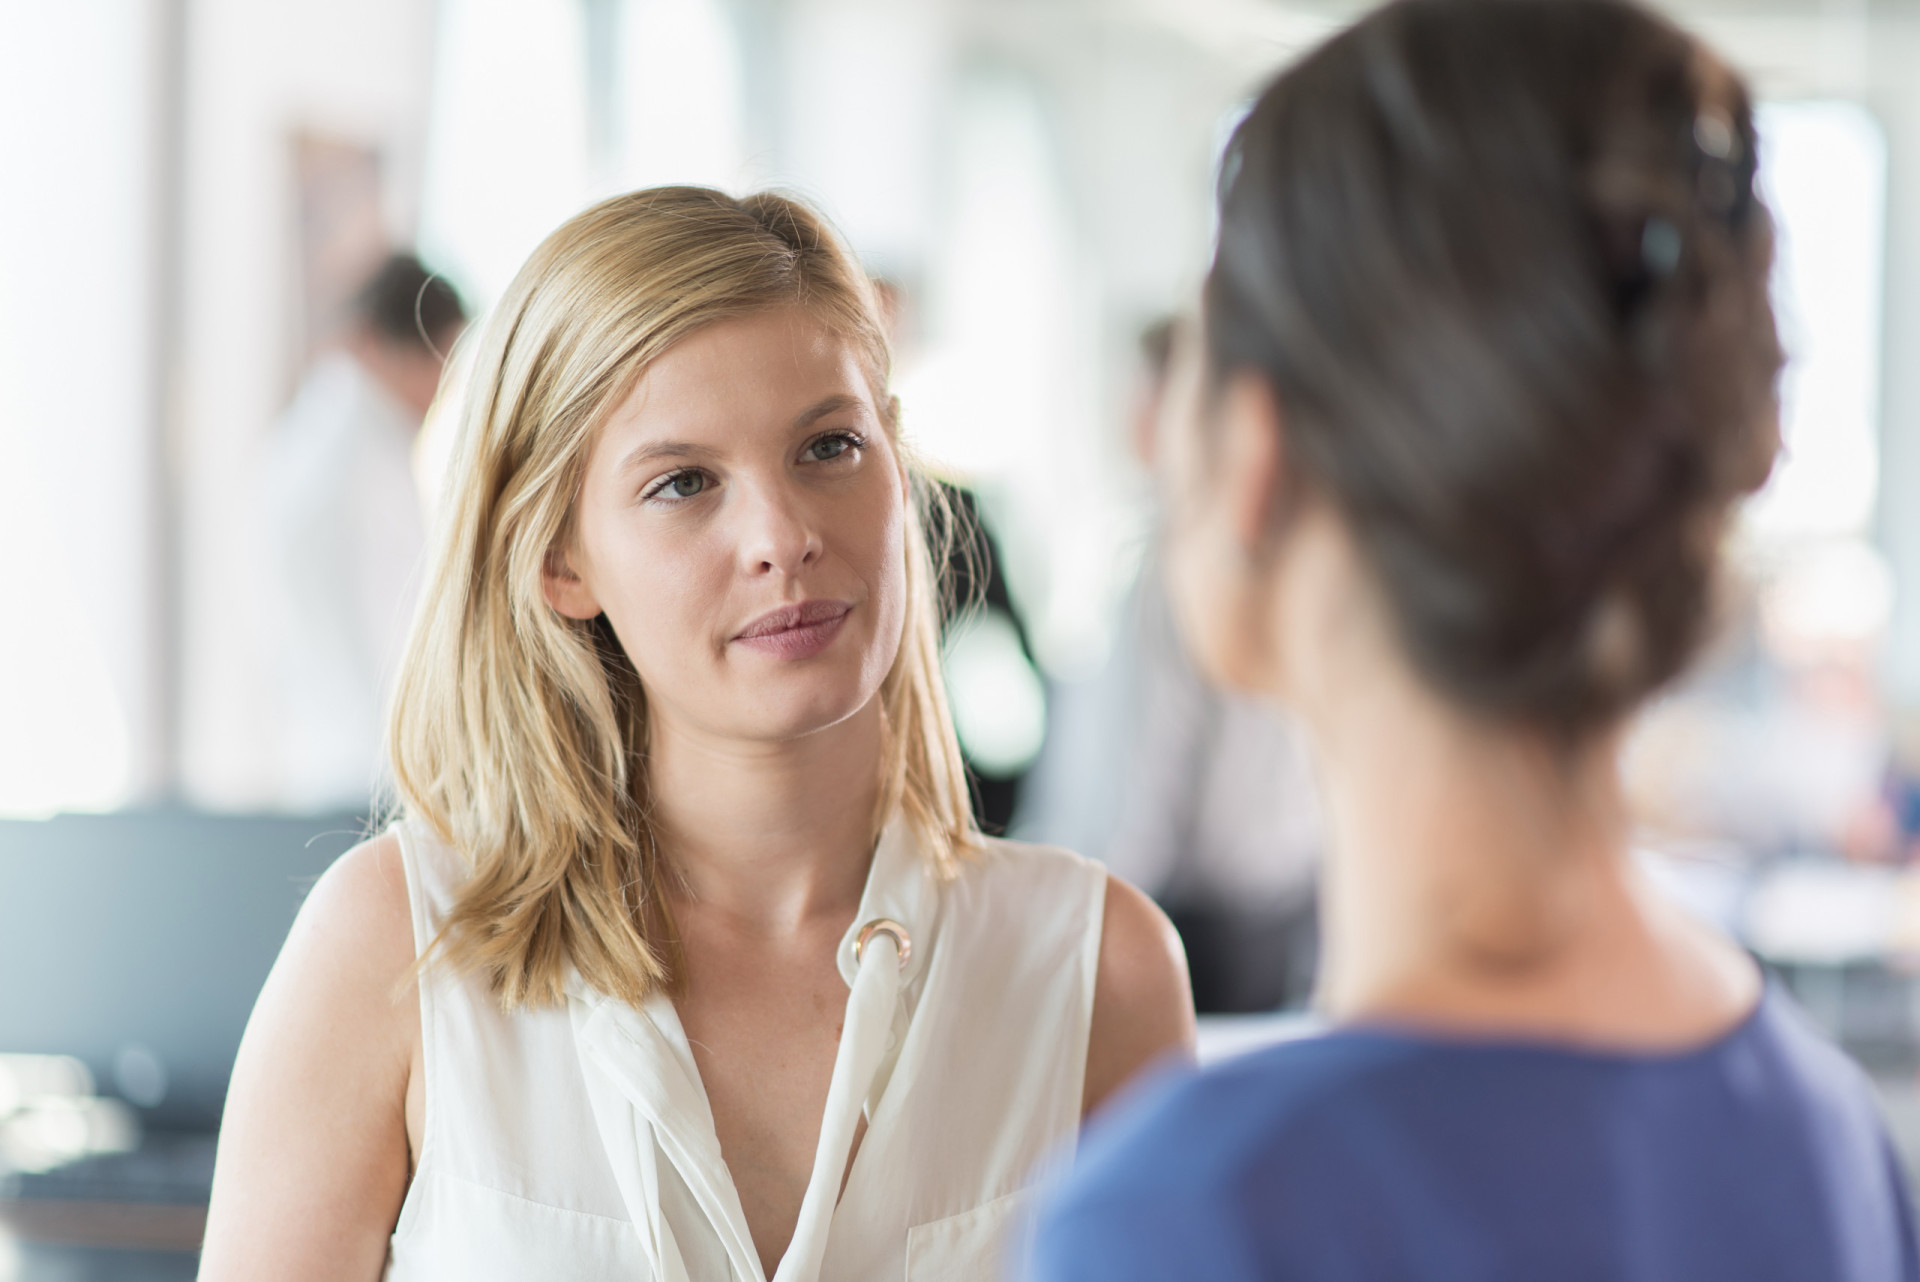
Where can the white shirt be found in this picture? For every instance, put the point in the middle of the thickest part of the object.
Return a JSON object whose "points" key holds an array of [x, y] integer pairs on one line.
{"points": [[578, 1142]]}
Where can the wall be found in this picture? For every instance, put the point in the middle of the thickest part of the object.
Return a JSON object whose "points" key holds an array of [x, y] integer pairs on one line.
{"points": [[79, 720]]}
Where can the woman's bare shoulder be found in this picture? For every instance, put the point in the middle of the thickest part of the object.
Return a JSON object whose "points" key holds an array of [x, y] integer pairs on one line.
{"points": [[360, 907], [1142, 1002], [345, 971], [348, 961]]}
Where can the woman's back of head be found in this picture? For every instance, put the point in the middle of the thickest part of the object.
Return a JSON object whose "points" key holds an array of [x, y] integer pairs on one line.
{"points": [[1503, 265]]}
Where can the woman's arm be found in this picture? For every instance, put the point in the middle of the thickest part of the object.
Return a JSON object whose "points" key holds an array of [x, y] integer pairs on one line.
{"points": [[1142, 1003], [314, 1157]]}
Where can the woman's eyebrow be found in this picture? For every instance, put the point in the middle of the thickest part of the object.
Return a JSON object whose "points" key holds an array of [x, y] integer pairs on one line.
{"points": [[652, 450], [827, 405]]}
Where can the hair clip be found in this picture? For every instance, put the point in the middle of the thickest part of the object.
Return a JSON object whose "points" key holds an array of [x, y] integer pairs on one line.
{"points": [[1659, 247], [1713, 134]]}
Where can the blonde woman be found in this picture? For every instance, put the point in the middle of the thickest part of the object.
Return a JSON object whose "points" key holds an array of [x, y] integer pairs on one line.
{"points": [[685, 961]]}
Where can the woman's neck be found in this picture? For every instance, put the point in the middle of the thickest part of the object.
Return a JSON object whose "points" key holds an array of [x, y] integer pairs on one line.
{"points": [[776, 834], [1480, 879]]}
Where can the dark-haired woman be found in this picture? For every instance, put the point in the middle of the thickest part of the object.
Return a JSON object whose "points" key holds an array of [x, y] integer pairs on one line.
{"points": [[1485, 362]]}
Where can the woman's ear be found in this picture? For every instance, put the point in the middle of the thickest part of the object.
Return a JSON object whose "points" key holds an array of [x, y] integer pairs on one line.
{"points": [[565, 590], [1252, 456]]}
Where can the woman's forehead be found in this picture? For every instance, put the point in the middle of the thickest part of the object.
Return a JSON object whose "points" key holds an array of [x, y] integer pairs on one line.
{"points": [[778, 371]]}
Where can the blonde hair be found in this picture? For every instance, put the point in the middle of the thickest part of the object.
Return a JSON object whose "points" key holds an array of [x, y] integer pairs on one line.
{"points": [[520, 735]]}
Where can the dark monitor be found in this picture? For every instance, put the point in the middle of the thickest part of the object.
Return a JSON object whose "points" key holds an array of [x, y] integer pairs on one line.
{"points": [[137, 942]]}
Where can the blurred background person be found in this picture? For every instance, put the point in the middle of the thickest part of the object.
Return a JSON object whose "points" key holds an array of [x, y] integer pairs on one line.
{"points": [[345, 533], [1487, 362], [1204, 798]]}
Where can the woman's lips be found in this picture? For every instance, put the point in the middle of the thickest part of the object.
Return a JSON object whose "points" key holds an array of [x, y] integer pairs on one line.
{"points": [[796, 631]]}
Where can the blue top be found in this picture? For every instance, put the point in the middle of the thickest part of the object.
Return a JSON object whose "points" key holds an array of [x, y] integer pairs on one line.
{"points": [[1369, 1155]]}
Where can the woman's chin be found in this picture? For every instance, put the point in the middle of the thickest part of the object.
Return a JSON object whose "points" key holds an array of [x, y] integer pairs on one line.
{"points": [[795, 715]]}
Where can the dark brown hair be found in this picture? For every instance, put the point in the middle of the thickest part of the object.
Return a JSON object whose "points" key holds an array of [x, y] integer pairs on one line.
{"points": [[1503, 264]]}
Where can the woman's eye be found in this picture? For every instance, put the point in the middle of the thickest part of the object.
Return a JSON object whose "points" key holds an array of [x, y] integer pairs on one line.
{"points": [[830, 447], [681, 485]]}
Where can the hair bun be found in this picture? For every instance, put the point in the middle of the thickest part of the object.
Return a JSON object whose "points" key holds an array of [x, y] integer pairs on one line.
{"points": [[1504, 264]]}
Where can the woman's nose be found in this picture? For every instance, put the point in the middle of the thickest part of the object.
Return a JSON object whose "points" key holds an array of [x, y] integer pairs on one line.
{"points": [[778, 534]]}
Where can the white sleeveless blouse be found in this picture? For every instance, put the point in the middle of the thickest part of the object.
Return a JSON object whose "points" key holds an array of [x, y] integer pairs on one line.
{"points": [[577, 1142]]}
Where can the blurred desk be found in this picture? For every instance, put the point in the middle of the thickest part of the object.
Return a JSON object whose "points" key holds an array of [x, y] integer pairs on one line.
{"points": [[148, 1226], [115, 1217], [1827, 912], [36, 1262], [1845, 939]]}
